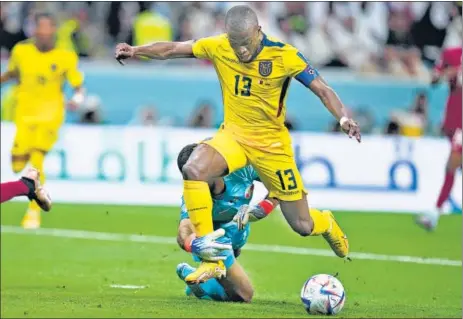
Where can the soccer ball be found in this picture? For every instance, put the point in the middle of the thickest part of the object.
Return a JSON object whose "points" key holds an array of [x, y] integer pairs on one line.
{"points": [[323, 294]]}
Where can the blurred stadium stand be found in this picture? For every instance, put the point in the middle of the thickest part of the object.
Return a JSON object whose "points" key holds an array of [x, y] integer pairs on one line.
{"points": [[377, 55]]}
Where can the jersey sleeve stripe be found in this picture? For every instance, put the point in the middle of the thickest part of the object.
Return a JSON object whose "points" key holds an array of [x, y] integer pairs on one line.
{"points": [[284, 89], [299, 54], [269, 43]]}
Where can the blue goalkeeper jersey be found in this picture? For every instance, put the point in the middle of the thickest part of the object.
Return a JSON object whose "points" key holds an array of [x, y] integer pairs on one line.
{"points": [[239, 188]]}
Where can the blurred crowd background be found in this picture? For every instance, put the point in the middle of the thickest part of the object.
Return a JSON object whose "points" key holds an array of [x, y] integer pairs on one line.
{"points": [[401, 39]]}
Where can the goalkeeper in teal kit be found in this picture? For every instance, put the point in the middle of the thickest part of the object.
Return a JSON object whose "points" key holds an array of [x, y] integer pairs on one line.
{"points": [[231, 213]]}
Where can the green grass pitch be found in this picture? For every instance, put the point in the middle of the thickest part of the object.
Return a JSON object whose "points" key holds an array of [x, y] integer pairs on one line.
{"points": [[56, 276]]}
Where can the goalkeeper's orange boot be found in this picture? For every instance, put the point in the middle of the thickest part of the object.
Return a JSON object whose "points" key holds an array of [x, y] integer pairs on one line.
{"points": [[207, 270], [336, 237]]}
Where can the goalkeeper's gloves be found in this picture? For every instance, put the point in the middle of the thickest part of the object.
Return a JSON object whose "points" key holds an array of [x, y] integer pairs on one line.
{"points": [[212, 247], [253, 213]]}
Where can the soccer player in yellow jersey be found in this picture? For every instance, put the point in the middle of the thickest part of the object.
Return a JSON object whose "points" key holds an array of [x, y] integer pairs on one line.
{"points": [[254, 71], [40, 70]]}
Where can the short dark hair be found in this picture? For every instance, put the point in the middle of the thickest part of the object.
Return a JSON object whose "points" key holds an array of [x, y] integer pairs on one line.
{"points": [[184, 155], [240, 18], [44, 15]]}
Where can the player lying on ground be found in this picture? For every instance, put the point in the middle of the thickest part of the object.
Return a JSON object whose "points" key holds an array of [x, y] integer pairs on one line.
{"points": [[254, 71], [28, 185], [231, 196], [40, 67], [448, 68]]}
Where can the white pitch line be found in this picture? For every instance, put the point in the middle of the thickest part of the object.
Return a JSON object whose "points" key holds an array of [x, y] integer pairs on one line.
{"points": [[128, 286], [82, 234]]}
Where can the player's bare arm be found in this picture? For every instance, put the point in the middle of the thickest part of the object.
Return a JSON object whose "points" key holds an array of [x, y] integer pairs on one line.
{"points": [[8, 75], [332, 102], [185, 233], [156, 50]]}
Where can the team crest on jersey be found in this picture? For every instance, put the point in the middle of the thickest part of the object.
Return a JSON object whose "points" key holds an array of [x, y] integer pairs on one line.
{"points": [[53, 67], [265, 68]]}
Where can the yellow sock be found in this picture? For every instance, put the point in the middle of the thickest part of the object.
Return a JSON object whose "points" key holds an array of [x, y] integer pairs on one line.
{"points": [[33, 206], [198, 202], [37, 160], [321, 222]]}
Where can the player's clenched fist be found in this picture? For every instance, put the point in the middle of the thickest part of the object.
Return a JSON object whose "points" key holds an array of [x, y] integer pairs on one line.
{"points": [[124, 51], [351, 128]]}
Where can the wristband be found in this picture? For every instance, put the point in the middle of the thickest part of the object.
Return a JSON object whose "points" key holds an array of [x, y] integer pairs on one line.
{"points": [[188, 242], [78, 98], [343, 120], [267, 206]]}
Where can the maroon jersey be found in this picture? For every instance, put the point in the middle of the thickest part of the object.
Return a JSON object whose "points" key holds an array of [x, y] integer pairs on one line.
{"points": [[451, 58]]}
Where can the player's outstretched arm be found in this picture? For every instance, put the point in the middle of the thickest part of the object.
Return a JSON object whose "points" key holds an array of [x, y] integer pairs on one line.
{"points": [[332, 102], [156, 51]]}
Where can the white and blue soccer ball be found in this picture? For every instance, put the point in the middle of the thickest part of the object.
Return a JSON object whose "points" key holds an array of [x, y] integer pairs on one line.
{"points": [[323, 294]]}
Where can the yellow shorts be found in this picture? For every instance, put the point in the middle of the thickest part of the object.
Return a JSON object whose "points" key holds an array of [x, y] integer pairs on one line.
{"points": [[34, 136], [277, 170]]}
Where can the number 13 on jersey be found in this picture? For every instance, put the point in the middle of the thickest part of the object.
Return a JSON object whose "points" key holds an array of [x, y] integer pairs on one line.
{"points": [[287, 179], [243, 85]]}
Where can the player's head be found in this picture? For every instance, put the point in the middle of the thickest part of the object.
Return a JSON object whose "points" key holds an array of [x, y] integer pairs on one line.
{"points": [[45, 30], [184, 155], [243, 32]]}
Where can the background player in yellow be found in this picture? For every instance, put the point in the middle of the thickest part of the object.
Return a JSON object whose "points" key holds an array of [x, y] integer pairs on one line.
{"points": [[40, 70], [254, 71]]}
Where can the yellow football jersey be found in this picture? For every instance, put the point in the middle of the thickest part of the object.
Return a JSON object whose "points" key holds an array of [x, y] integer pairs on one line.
{"points": [[254, 93], [41, 79]]}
